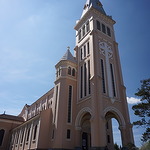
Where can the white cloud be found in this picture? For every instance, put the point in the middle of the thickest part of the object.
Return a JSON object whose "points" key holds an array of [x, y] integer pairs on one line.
{"points": [[132, 100]]}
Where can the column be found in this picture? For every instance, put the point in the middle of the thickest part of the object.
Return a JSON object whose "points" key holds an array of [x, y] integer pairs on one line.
{"points": [[78, 145], [98, 134], [30, 136], [126, 134]]}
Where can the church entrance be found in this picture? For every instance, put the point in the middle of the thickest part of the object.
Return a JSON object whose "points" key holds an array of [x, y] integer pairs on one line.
{"points": [[86, 132], [85, 141]]}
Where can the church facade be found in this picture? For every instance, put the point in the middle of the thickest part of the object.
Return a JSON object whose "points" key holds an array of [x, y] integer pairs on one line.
{"points": [[89, 91]]}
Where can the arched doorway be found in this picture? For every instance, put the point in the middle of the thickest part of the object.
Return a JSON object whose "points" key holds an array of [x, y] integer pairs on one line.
{"points": [[112, 119], [116, 133], [86, 131], [83, 128]]}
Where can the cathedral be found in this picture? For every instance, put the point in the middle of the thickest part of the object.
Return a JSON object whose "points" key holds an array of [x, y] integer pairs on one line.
{"points": [[89, 91]]}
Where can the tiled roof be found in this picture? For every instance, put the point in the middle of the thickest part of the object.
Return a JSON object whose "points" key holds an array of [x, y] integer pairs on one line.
{"points": [[10, 117], [68, 56]]}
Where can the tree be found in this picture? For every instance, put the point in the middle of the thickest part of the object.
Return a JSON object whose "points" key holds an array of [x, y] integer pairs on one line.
{"points": [[131, 146], [116, 147], [143, 109], [146, 146]]}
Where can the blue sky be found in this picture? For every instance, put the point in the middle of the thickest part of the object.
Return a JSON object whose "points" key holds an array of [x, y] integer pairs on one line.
{"points": [[34, 35]]}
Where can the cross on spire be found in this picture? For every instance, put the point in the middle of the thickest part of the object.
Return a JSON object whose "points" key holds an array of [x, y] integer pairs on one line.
{"points": [[68, 48]]}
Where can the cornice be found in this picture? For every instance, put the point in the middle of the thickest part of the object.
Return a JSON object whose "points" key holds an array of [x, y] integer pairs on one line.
{"points": [[82, 20], [64, 77], [65, 62], [11, 121], [88, 13], [107, 18]]}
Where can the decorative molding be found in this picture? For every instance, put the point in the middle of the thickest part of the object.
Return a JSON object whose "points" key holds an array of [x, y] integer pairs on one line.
{"points": [[11, 121], [81, 113], [121, 128], [78, 128], [117, 113], [82, 100], [103, 47], [107, 18], [106, 50]]}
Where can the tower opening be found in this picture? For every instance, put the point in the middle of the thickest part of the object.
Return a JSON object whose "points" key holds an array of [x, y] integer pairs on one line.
{"points": [[116, 132], [113, 134]]}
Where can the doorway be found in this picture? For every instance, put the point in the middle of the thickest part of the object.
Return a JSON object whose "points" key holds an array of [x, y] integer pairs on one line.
{"points": [[84, 141], [86, 132], [113, 134]]}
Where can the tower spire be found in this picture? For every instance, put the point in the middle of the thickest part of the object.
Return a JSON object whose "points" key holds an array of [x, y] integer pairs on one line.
{"points": [[95, 4], [68, 48], [68, 56]]}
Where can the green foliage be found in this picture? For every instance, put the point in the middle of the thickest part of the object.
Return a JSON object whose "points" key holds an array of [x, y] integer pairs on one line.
{"points": [[146, 146], [142, 109], [146, 135], [131, 146], [116, 146], [144, 91]]}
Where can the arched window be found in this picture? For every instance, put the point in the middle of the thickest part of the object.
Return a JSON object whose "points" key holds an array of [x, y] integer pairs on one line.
{"points": [[69, 70], [2, 132], [70, 104], [98, 25], [59, 71], [79, 35], [22, 136], [83, 30], [73, 72], [103, 28], [35, 131], [28, 134], [56, 73], [87, 26]]}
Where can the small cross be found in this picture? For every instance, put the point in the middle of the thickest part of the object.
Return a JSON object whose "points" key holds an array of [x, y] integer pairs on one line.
{"points": [[68, 48]]}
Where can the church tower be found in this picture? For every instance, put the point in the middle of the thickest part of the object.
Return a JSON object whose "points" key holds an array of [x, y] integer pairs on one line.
{"points": [[101, 94], [64, 98], [89, 92]]}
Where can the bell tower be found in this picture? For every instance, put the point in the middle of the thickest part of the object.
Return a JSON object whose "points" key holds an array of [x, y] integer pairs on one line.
{"points": [[64, 99], [101, 94]]}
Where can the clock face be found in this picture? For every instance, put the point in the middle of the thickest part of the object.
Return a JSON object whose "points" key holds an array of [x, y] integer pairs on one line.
{"points": [[105, 49]]}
